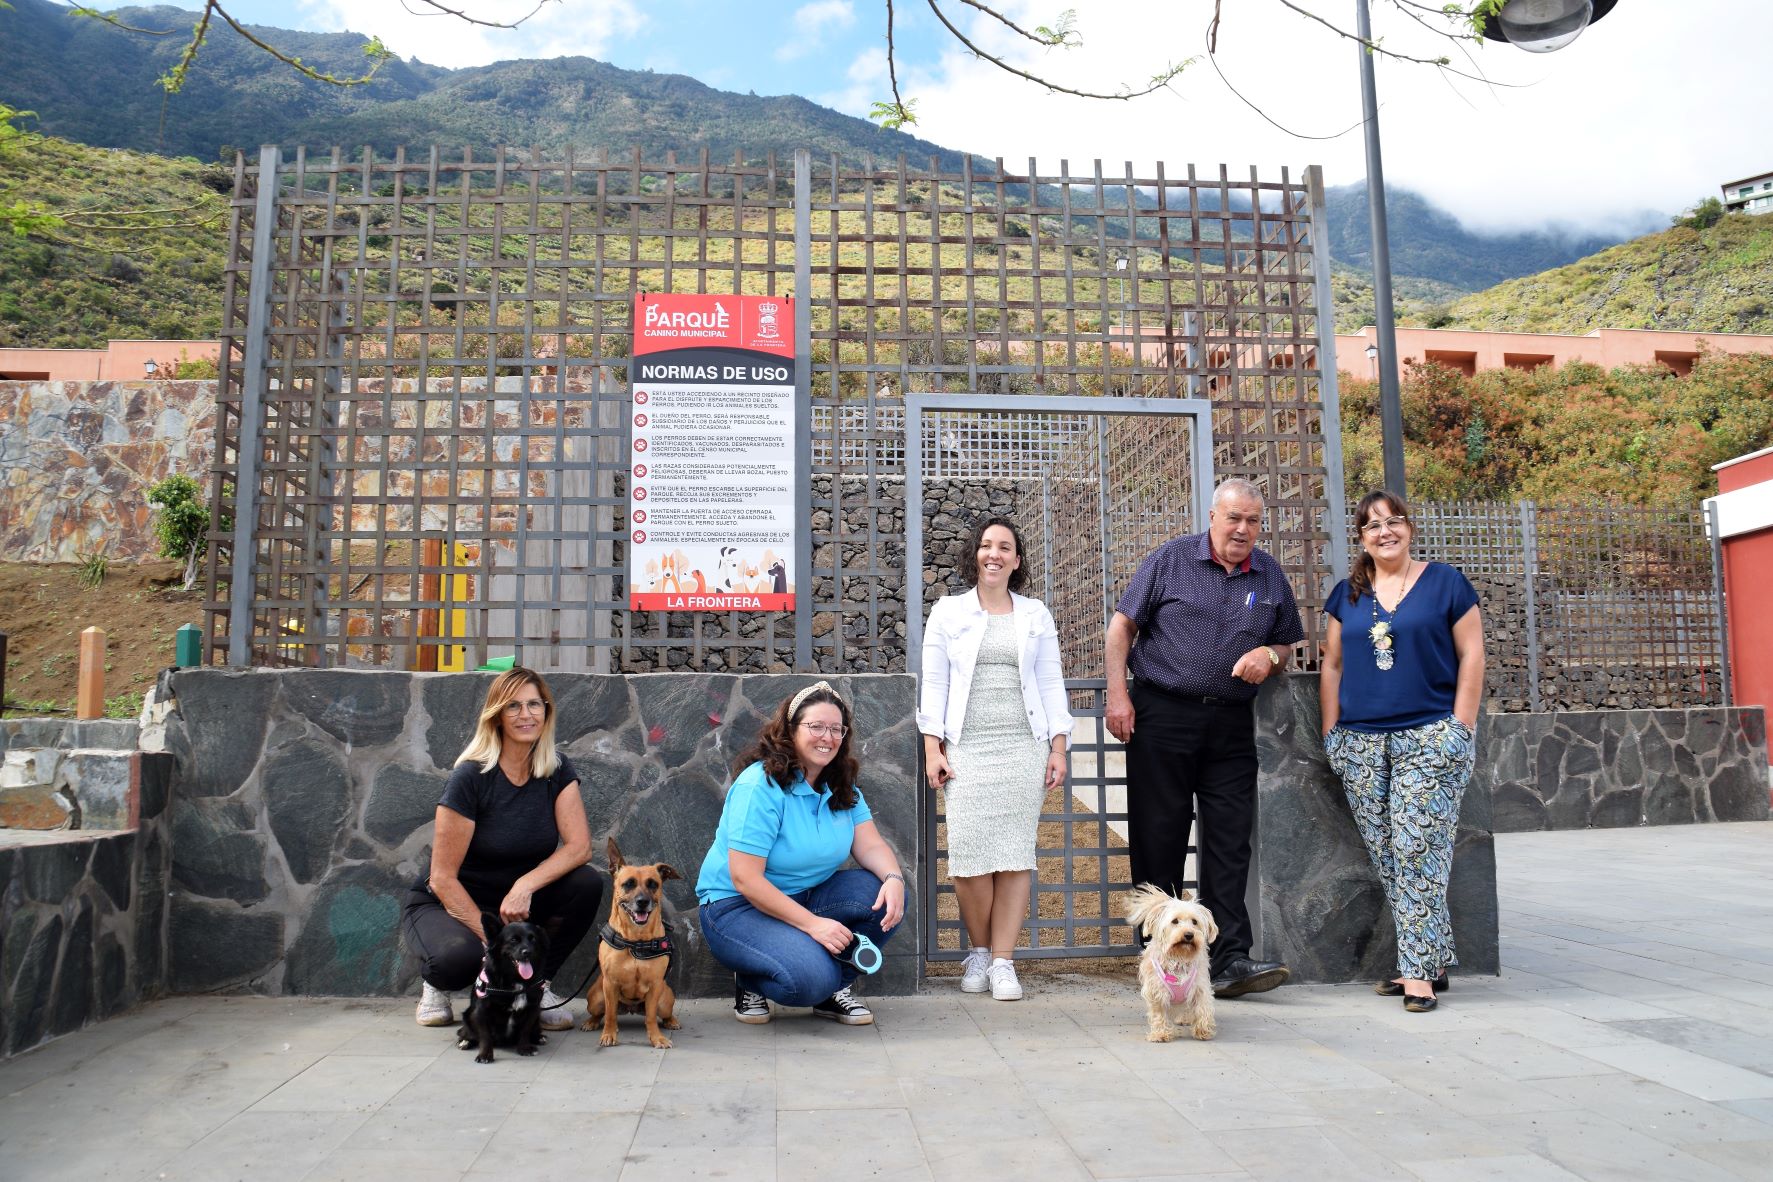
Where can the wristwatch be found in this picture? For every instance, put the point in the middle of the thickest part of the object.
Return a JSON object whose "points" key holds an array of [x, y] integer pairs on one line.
{"points": [[1273, 657]]}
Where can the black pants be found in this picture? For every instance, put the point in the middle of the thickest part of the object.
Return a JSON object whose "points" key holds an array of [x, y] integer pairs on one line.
{"points": [[449, 954], [1184, 756]]}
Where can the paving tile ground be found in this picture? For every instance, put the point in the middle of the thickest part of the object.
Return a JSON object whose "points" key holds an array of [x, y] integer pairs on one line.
{"points": [[1630, 1035]]}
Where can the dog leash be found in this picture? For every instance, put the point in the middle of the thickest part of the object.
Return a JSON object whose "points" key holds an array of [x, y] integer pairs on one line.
{"points": [[567, 999]]}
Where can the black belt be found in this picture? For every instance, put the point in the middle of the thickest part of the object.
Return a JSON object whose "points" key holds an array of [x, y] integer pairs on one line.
{"points": [[1191, 699]]}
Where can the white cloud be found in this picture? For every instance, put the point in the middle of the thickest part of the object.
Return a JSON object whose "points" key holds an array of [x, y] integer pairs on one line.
{"points": [[1644, 112], [412, 29], [806, 30]]}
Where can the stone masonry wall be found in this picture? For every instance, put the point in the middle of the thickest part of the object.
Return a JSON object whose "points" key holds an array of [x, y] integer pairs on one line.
{"points": [[77, 459], [82, 919], [303, 805], [1322, 906]]}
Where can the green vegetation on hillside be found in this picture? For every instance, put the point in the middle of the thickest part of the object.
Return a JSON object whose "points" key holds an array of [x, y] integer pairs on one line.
{"points": [[1636, 435], [1717, 279], [134, 249]]}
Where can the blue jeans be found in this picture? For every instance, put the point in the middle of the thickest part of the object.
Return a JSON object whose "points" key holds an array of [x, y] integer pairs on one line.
{"points": [[779, 960]]}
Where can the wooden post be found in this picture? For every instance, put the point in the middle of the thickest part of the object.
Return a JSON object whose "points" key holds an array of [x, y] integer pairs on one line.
{"points": [[90, 698], [430, 591]]}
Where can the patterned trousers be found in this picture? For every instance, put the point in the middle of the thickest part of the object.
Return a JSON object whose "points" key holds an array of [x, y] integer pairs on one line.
{"points": [[1404, 788]]}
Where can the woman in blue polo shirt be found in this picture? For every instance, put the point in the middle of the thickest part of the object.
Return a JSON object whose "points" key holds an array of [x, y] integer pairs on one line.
{"points": [[1401, 679], [776, 907]]}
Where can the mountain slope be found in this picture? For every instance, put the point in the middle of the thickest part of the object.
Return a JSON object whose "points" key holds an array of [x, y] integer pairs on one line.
{"points": [[1430, 243], [1718, 279], [94, 83]]}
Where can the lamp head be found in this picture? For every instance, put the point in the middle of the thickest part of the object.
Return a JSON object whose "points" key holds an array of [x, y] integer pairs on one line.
{"points": [[1542, 26], [1372, 352], [150, 367]]}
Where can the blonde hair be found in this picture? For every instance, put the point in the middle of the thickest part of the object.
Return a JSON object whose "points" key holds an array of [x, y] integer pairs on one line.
{"points": [[487, 744]]}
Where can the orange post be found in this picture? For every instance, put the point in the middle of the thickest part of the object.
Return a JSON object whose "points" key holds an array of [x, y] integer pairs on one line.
{"points": [[90, 697], [430, 591]]}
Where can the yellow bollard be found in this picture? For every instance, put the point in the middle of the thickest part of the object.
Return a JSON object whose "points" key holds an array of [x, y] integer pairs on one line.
{"points": [[90, 699]]}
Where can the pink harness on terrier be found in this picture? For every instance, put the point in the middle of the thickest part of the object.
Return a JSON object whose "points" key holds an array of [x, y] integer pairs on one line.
{"points": [[1178, 986]]}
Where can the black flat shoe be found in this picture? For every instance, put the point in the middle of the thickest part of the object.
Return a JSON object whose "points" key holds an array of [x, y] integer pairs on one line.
{"points": [[1420, 1005], [1393, 989]]}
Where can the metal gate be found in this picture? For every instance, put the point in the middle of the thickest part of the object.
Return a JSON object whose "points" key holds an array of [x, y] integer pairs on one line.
{"points": [[1095, 484]]}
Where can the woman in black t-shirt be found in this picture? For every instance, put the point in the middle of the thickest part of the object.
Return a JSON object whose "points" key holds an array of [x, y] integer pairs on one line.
{"points": [[513, 840]]}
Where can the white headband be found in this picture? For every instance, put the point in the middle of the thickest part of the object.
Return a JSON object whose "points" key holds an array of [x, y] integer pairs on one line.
{"points": [[803, 695]]}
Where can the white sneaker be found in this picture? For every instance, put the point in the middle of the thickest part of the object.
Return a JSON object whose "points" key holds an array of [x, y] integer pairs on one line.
{"points": [[1004, 986], [556, 1019], [434, 1007], [973, 977]]}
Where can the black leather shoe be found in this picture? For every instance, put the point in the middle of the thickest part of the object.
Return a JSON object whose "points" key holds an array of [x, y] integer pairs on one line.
{"points": [[1420, 1005], [1394, 989], [1242, 975]]}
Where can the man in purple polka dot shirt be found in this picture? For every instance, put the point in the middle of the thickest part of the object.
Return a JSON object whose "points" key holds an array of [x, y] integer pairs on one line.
{"points": [[1206, 620]]}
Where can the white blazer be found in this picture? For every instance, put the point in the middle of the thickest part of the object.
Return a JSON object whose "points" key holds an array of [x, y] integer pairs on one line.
{"points": [[951, 640]]}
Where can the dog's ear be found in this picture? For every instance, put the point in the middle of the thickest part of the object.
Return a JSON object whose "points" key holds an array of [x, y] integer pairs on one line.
{"points": [[1212, 926], [1187, 896], [615, 856], [490, 924], [667, 872], [1143, 902]]}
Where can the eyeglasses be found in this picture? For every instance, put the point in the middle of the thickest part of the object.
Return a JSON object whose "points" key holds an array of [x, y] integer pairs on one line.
{"points": [[1375, 527], [826, 732], [533, 706]]}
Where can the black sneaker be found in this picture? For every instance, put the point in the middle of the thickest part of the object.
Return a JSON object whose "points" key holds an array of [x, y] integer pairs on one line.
{"points": [[1242, 975], [749, 1007], [843, 1007]]}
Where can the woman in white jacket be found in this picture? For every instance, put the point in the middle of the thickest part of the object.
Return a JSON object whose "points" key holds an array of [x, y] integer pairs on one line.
{"points": [[995, 726]]}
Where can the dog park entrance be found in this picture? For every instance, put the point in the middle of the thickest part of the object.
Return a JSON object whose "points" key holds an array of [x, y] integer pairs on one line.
{"points": [[1094, 484], [423, 446]]}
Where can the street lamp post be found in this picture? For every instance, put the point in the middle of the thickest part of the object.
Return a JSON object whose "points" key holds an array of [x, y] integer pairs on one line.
{"points": [[1537, 26]]}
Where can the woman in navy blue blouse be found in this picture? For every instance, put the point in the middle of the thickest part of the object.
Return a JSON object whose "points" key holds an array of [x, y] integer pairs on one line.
{"points": [[1402, 678]]}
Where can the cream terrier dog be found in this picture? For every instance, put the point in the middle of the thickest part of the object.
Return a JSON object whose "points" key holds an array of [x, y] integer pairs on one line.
{"points": [[1173, 973]]}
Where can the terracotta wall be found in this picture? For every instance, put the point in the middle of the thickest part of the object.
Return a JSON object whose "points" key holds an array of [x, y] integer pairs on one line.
{"points": [[77, 459]]}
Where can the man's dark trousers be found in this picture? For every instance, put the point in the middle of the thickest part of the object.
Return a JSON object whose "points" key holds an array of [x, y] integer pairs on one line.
{"points": [[1185, 753]]}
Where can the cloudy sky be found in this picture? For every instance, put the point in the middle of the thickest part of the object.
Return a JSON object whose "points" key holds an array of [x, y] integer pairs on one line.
{"points": [[1648, 111]]}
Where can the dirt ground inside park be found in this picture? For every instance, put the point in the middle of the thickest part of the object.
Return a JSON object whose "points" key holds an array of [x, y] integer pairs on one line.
{"points": [[43, 610]]}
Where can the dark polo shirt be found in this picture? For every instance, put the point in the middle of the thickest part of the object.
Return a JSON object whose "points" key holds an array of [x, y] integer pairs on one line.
{"points": [[1195, 620]]}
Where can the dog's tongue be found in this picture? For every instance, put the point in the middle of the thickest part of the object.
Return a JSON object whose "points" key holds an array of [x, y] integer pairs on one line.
{"points": [[524, 970]]}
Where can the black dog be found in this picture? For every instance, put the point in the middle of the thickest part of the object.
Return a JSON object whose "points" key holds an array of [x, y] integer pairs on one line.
{"points": [[506, 1007]]}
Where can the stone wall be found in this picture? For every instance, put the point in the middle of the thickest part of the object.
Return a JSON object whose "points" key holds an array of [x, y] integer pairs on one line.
{"points": [[1323, 910], [1607, 769], [304, 799], [1322, 907], [79, 457], [67, 774], [82, 919]]}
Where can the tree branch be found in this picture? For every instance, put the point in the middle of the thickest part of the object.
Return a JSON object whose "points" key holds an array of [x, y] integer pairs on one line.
{"points": [[439, 9], [1158, 81]]}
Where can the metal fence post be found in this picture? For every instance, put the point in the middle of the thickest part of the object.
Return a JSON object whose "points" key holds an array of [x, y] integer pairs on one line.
{"points": [[1335, 523], [1718, 601], [803, 413], [254, 372], [1530, 571]]}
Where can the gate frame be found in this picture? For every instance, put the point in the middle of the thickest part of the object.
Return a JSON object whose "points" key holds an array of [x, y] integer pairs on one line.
{"points": [[1200, 410]]}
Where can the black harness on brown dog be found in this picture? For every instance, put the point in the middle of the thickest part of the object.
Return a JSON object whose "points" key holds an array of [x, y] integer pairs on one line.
{"points": [[638, 949]]}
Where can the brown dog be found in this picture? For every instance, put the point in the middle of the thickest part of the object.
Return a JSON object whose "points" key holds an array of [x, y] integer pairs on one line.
{"points": [[635, 953]]}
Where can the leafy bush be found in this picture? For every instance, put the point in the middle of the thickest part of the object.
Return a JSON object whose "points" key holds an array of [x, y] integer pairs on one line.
{"points": [[182, 521]]}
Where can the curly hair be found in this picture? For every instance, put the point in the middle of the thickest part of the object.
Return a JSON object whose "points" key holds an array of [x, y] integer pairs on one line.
{"points": [[774, 749], [1360, 579], [969, 557]]}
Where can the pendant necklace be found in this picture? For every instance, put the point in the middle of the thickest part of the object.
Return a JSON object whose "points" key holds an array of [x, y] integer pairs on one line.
{"points": [[1384, 644]]}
